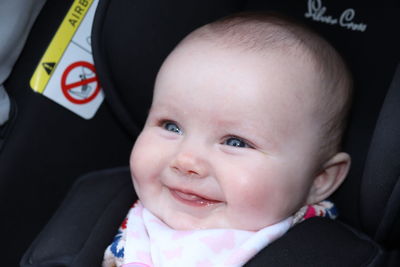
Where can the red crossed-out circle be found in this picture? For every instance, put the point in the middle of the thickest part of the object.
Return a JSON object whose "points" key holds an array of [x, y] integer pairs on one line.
{"points": [[67, 87]]}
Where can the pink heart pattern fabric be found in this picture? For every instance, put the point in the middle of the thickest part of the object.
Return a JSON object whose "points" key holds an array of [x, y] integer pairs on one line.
{"points": [[143, 240]]}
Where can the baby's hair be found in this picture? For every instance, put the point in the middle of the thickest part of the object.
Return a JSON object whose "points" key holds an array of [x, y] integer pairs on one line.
{"points": [[265, 32]]}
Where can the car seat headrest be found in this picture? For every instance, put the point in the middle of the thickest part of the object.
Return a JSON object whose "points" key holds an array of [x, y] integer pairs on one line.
{"points": [[131, 39]]}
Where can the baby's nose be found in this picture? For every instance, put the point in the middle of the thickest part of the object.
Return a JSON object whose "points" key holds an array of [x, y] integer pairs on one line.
{"points": [[189, 164]]}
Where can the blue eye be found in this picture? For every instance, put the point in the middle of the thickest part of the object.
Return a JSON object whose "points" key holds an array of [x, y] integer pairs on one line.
{"points": [[236, 142], [172, 127]]}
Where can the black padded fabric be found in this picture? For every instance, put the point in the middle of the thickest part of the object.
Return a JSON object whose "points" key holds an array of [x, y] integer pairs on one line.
{"points": [[321, 242], [86, 222], [381, 180], [89, 217], [46, 147]]}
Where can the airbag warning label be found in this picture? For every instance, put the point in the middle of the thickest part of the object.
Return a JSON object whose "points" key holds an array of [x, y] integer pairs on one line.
{"points": [[66, 72]]}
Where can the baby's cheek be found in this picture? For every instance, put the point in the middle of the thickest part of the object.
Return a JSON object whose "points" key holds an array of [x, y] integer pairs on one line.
{"points": [[142, 155], [253, 201], [144, 168]]}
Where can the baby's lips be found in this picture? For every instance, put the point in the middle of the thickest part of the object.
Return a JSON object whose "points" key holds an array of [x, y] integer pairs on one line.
{"points": [[193, 199]]}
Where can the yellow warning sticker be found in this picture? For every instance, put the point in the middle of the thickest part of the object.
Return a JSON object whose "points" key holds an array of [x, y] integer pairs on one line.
{"points": [[66, 72], [59, 43]]}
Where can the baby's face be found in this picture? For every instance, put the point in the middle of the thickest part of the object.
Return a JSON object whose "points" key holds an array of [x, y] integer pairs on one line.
{"points": [[229, 142]]}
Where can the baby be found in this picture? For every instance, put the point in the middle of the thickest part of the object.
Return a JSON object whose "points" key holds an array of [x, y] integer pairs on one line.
{"points": [[242, 141]]}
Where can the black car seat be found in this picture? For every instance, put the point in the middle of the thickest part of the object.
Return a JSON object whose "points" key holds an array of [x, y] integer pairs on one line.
{"points": [[43, 146], [130, 40]]}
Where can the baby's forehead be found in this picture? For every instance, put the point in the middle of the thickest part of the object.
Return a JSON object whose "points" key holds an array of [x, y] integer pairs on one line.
{"points": [[271, 70], [232, 55]]}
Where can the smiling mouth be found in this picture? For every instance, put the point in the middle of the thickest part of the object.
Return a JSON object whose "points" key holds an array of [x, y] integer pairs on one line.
{"points": [[192, 199]]}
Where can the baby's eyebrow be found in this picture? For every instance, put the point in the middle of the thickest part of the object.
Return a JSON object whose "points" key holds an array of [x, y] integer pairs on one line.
{"points": [[161, 106]]}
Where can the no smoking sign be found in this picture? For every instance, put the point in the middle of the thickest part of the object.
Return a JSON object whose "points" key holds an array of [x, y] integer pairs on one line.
{"points": [[79, 83]]}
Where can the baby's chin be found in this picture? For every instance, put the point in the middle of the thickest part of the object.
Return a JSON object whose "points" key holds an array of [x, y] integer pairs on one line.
{"points": [[189, 221], [185, 222]]}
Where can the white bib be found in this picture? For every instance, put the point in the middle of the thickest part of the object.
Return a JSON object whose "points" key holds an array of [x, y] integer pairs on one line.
{"points": [[144, 240], [150, 242]]}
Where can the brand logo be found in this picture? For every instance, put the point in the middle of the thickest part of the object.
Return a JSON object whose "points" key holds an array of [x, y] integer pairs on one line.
{"points": [[317, 12]]}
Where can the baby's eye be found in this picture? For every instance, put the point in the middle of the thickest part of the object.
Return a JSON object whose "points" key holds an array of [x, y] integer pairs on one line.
{"points": [[172, 127], [236, 142]]}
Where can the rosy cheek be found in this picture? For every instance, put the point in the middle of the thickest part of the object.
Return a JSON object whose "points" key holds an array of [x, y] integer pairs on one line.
{"points": [[140, 157], [251, 186], [149, 156]]}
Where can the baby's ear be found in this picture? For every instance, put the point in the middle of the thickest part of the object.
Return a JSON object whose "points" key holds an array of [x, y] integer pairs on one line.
{"points": [[330, 178]]}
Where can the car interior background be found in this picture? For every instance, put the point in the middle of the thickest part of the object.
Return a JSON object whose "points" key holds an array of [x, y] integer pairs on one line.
{"points": [[45, 147]]}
